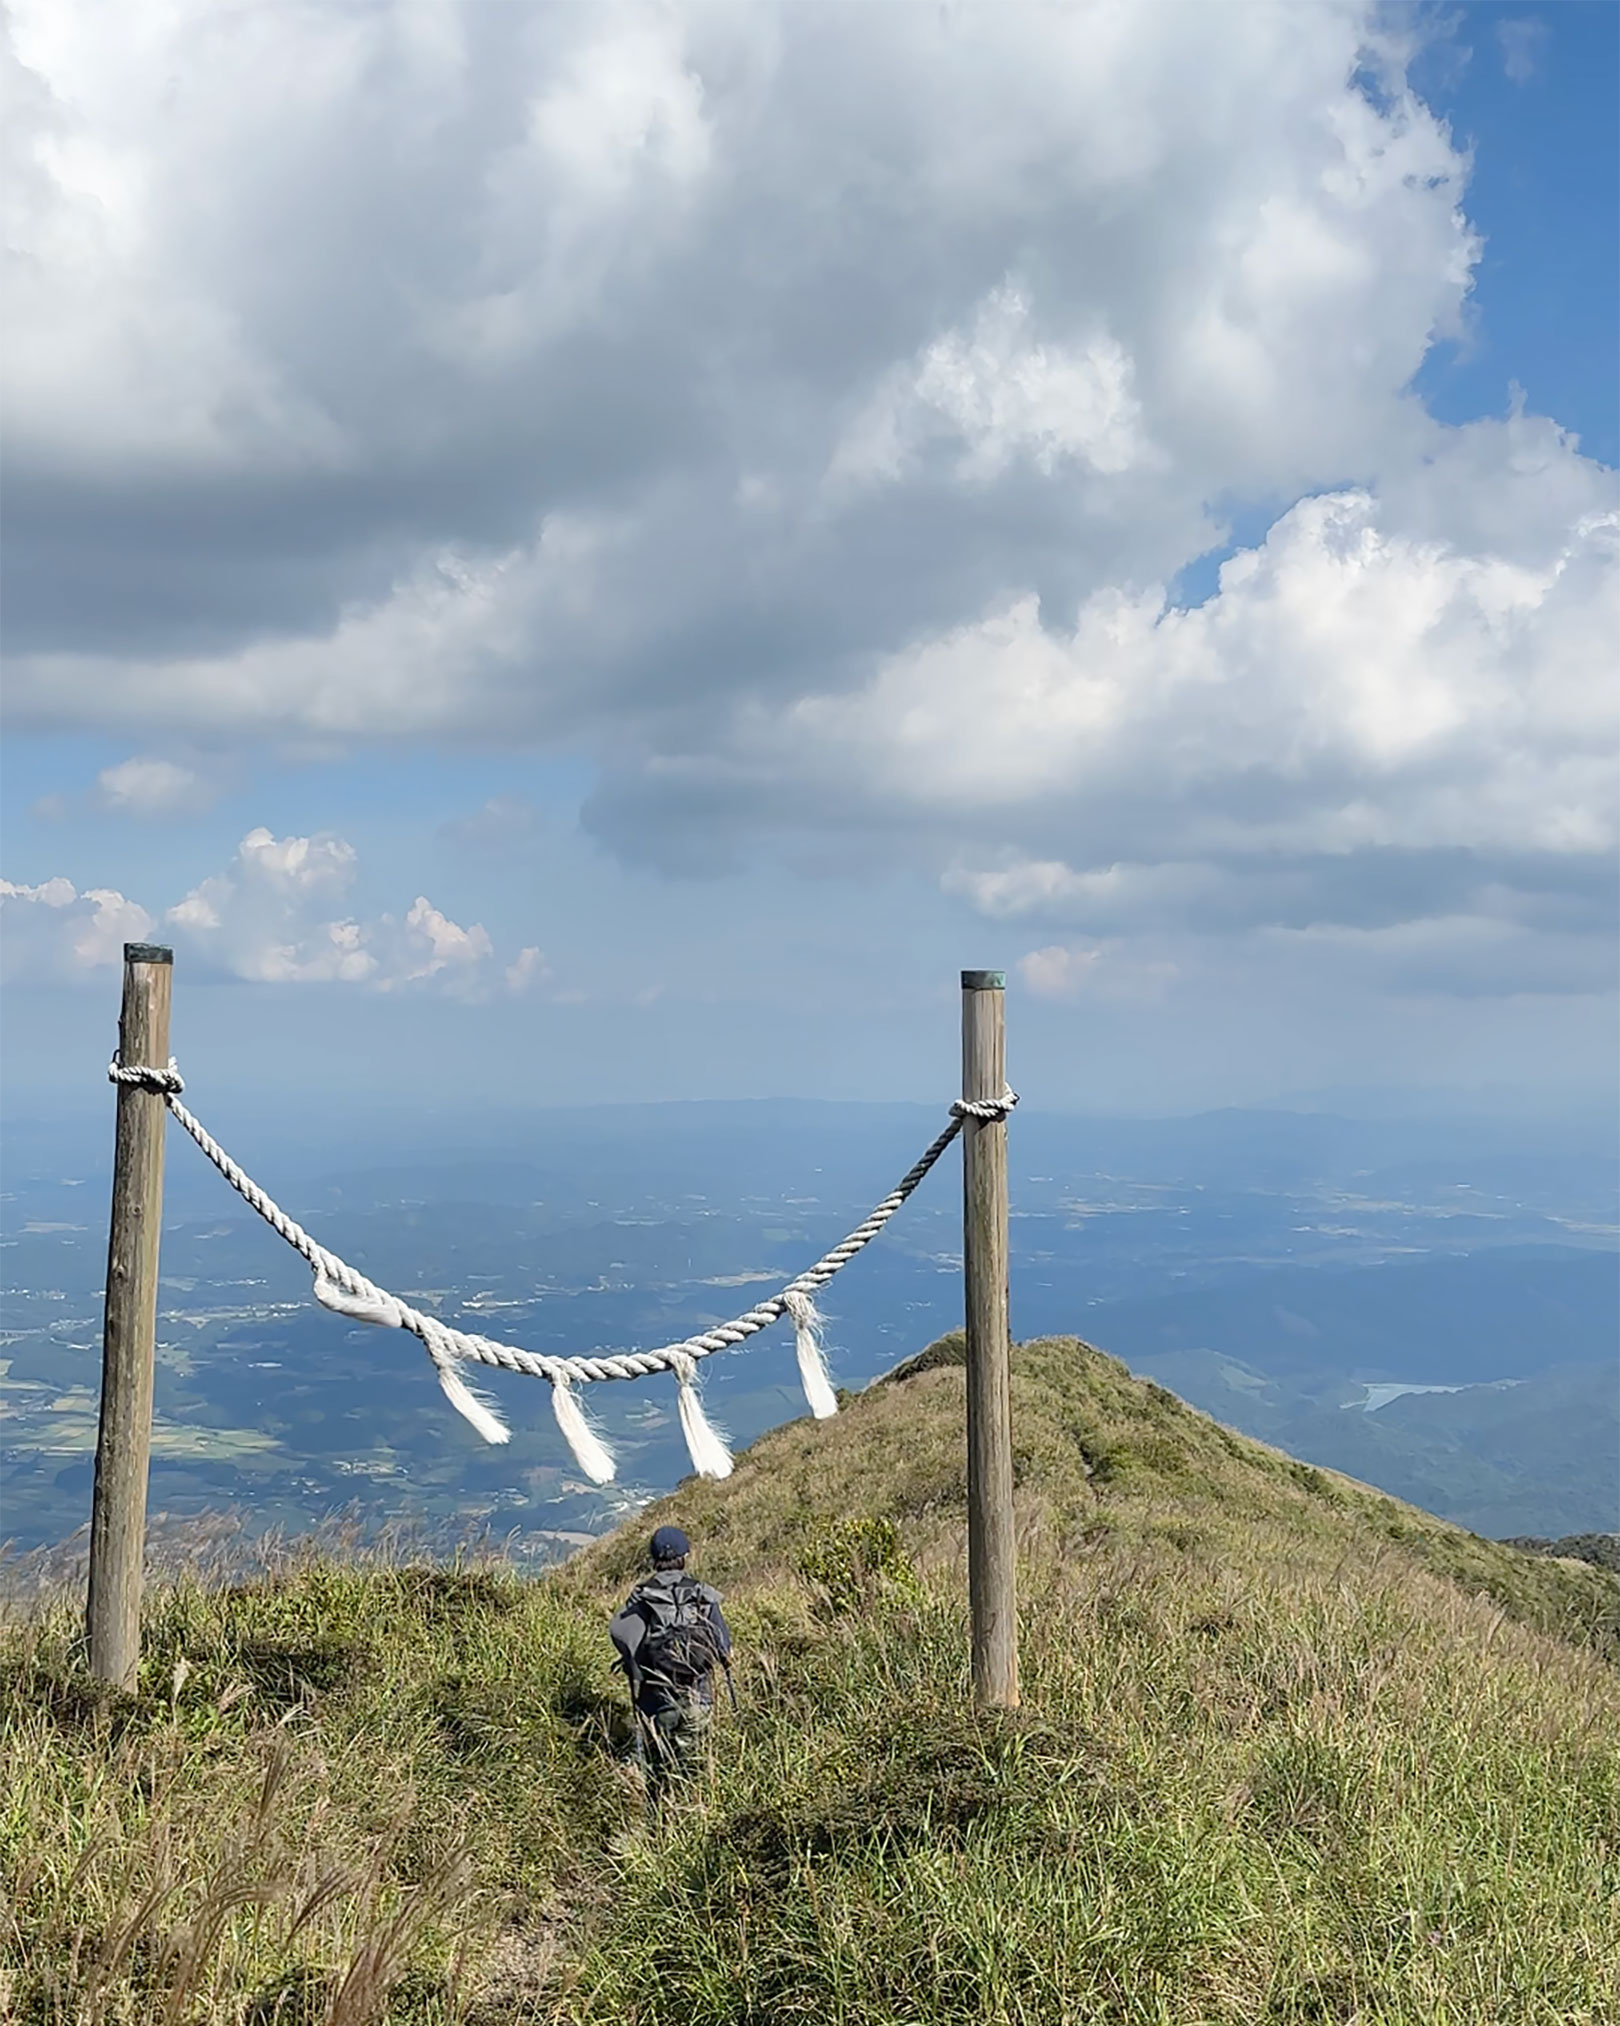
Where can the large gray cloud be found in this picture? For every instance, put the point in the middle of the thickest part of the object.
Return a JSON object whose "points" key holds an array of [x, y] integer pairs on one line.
{"points": [[307, 297], [803, 408]]}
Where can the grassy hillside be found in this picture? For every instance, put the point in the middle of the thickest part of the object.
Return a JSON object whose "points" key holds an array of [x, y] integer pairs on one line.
{"points": [[1290, 1752]]}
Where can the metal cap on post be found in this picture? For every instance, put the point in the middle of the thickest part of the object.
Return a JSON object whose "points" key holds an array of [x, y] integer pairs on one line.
{"points": [[992, 1560], [123, 1445]]}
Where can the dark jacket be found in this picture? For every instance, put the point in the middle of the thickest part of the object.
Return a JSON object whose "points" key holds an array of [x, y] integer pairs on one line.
{"points": [[629, 1630]]}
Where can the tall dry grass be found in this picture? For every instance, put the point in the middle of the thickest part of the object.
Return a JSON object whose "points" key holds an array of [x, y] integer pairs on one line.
{"points": [[330, 1788]]}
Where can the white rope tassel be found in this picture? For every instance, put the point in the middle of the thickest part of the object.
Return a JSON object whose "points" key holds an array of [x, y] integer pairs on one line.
{"points": [[813, 1374], [467, 1403], [591, 1453], [705, 1444]]}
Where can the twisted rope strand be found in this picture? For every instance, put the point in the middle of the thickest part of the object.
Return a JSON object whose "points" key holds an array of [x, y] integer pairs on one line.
{"points": [[346, 1291]]}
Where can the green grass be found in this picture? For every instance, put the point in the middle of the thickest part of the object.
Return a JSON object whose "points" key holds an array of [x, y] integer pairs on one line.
{"points": [[1289, 1752]]}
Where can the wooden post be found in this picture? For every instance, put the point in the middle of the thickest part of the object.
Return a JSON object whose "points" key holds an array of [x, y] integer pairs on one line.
{"points": [[992, 1571], [123, 1446]]}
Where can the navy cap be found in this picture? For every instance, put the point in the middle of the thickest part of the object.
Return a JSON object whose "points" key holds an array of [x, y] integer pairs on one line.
{"points": [[669, 1544]]}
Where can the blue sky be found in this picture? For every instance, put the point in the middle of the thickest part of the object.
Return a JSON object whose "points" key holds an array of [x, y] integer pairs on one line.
{"points": [[607, 553], [1533, 92]]}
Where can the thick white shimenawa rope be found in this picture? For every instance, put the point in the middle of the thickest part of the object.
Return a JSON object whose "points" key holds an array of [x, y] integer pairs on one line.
{"points": [[348, 1293]]}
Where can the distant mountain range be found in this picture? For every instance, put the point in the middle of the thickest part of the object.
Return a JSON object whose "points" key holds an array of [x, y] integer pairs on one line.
{"points": [[1512, 1422]]}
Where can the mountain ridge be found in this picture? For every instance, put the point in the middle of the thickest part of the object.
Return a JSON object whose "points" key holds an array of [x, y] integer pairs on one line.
{"points": [[1290, 1752]]}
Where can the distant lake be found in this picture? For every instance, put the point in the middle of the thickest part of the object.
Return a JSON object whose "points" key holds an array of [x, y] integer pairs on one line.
{"points": [[1380, 1396]]}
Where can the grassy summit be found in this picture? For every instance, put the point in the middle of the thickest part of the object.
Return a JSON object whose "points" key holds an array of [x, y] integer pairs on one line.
{"points": [[1290, 1751]]}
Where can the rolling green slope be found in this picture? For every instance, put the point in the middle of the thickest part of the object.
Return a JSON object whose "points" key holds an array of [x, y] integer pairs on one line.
{"points": [[1290, 1751]]}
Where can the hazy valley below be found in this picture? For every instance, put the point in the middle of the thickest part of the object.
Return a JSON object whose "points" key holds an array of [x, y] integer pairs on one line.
{"points": [[1432, 1306]]}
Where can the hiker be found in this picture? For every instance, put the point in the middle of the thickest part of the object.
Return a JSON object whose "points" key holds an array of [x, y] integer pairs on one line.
{"points": [[671, 1637]]}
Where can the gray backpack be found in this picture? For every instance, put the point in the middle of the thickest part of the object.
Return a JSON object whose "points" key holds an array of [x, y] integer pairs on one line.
{"points": [[679, 1645]]}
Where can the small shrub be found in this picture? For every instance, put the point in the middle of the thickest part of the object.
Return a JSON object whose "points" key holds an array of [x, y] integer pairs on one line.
{"points": [[285, 1673], [1601, 1550], [1163, 1455], [950, 1349], [1303, 1787], [449, 1596], [848, 1559]]}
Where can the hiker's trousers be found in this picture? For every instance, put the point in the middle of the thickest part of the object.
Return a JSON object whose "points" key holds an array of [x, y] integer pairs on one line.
{"points": [[672, 1728]]}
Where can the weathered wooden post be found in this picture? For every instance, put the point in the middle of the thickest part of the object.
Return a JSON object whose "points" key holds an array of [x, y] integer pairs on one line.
{"points": [[992, 1561], [123, 1446]]}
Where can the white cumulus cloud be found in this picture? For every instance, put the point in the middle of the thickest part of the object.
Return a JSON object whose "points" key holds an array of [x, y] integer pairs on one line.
{"points": [[1368, 717], [1068, 971], [279, 914], [52, 931], [527, 970], [1000, 394], [152, 787], [275, 916], [1352, 685]]}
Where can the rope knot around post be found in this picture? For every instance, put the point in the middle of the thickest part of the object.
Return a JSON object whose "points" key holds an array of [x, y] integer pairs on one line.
{"points": [[141, 1076], [989, 1110]]}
